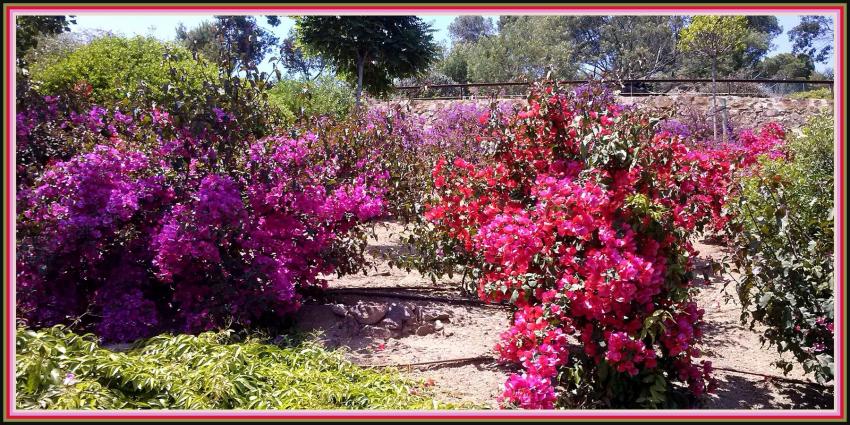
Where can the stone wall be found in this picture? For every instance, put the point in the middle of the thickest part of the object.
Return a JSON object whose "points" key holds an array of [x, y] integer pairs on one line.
{"points": [[745, 112]]}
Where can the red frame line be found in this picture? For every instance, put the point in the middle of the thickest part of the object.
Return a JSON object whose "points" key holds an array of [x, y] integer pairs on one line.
{"points": [[838, 413]]}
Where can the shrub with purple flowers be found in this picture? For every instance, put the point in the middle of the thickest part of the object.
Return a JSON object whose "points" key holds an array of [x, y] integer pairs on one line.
{"points": [[156, 229]]}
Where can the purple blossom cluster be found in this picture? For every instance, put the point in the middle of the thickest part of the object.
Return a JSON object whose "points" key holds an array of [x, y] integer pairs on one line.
{"points": [[156, 228]]}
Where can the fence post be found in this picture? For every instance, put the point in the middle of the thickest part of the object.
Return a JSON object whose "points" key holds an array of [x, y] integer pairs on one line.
{"points": [[725, 116]]}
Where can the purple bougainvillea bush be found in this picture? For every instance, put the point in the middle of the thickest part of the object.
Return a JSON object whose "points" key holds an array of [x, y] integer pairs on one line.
{"points": [[146, 226]]}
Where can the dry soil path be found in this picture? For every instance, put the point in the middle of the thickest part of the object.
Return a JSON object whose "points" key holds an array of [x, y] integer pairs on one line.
{"points": [[392, 317]]}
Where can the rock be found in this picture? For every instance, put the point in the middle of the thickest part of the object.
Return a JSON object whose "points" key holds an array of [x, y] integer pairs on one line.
{"points": [[426, 329], [430, 314], [369, 314], [390, 323], [664, 102], [396, 316], [339, 310], [409, 327], [376, 332]]}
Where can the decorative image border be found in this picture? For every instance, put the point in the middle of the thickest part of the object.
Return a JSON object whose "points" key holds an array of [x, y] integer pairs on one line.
{"points": [[837, 11]]}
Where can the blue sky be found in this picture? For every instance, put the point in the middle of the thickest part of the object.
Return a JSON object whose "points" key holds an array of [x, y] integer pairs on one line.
{"points": [[163, 27]]}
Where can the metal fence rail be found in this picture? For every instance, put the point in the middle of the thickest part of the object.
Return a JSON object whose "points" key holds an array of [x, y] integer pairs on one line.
{"points": [[649, 87]]}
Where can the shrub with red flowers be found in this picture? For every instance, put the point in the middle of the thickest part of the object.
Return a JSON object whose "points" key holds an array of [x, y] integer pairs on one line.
{"points": [[720, 165], [581, 220], [159, 228]]}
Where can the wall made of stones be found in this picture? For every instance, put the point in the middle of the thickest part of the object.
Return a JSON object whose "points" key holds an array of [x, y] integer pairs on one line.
{"points": [[745, 112]]}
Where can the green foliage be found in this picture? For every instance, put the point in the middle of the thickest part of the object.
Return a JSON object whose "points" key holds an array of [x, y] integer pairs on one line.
{"points": [[119, 68], [784, 235], [470, 28], [241, 42], [294, 61], [54, 47], [231, 42], [526, 49], [456, 64], [369, 51], [761, 30], [626, 47], [744, 62], [57, 369], [28, 30], [813, 37], [199, 40], [821, 93], [610, 47], [786, 66], [298, 99], [712, 36]]}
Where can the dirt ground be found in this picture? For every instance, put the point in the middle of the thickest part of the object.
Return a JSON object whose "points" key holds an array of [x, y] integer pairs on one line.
{"points": [[392, 317]]}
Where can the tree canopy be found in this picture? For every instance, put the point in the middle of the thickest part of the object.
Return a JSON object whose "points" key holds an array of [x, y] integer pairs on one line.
{"points": [[469, 29], [230, 41], [28, 29], [813, 37], [369, 51]]}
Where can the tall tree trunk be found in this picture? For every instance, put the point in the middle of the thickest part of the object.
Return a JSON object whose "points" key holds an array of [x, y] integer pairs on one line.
{"points": [[361, 62], [714, 94]]}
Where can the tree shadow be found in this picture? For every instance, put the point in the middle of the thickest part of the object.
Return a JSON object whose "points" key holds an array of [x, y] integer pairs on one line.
{"points": [[715, 334], [738, 392]]}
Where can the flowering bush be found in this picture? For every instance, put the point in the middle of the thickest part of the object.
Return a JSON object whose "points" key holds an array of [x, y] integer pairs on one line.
{"points": [[155, 228], [784, 252], [406, 146], [695, 124], [721, 163], [581, 219]]}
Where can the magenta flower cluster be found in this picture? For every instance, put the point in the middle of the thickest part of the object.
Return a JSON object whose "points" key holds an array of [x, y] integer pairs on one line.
{"points": [[155, 229]]}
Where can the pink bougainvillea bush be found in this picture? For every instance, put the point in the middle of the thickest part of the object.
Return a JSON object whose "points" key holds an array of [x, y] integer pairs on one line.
{"points": [[581, 220], [728, 162], [153, 227]]}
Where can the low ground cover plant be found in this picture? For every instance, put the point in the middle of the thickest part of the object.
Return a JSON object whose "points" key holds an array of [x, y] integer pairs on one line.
{"points": [[58, 369]]}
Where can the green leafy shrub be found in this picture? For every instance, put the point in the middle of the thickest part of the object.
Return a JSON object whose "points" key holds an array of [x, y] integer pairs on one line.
{"points": [[119, 68], [784, 238], [57, 369], [299, 99], [821, 93]]}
